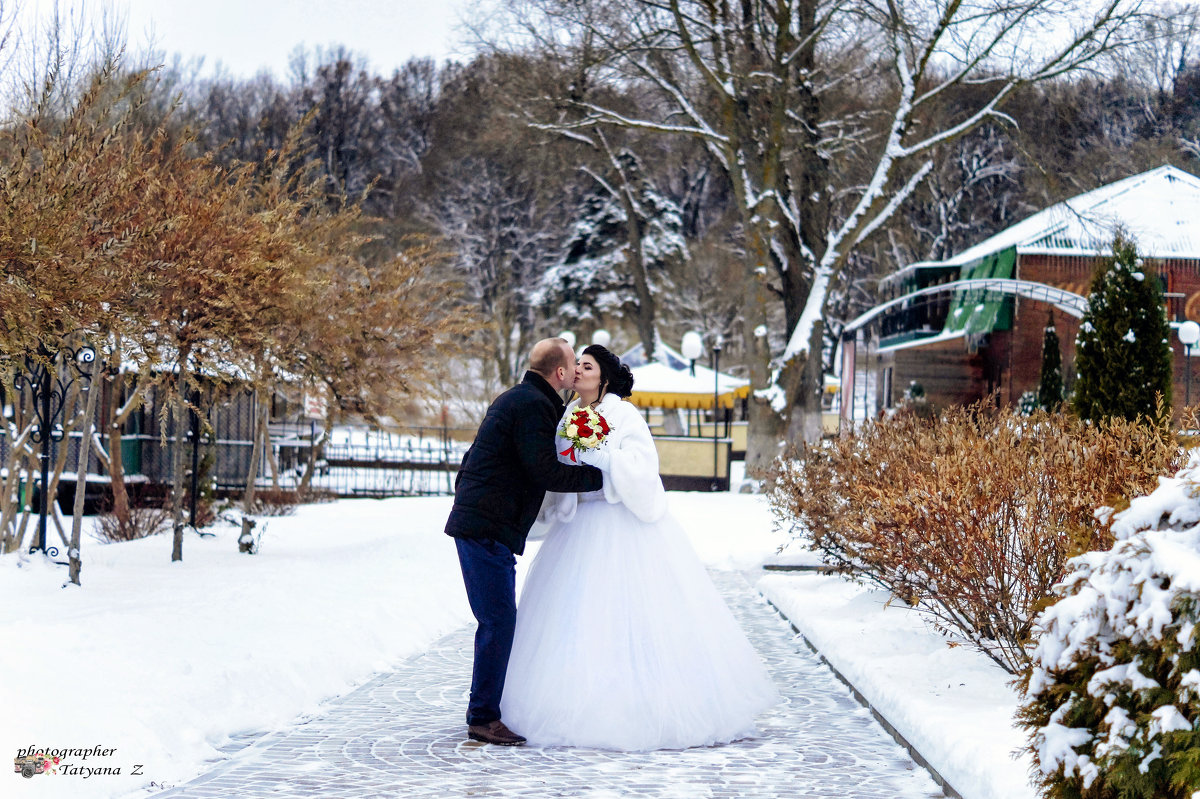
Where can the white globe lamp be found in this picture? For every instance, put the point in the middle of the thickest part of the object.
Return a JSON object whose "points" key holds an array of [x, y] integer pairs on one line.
{"points": [[1189, 334]]}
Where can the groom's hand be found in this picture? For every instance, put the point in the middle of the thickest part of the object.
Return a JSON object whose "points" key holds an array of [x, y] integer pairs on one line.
{"points": [[600, 457]]}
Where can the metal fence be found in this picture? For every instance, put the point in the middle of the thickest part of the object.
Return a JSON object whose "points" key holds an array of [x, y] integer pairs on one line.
{"points": [[357, 462], [375, 463]]}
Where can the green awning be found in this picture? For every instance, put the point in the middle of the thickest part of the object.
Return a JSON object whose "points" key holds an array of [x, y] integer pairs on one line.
{"points": [[978, 311]]}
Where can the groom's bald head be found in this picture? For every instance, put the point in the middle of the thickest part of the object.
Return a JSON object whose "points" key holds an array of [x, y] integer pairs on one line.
{"points": [[553, 359]]}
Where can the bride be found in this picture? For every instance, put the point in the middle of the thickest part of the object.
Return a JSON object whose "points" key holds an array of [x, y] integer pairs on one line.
{"points": [[622, 641]]}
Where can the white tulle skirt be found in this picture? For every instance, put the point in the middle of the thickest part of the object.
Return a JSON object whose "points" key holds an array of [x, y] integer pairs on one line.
{"points": [[623, 642]]}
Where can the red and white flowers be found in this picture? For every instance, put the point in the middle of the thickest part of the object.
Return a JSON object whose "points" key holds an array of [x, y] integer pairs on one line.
{"points": [[585, 428]]}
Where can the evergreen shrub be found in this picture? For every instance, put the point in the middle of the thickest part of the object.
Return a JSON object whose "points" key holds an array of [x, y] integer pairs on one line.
{"points": [[1123, 350], [1050, 381], [1112, 698]]}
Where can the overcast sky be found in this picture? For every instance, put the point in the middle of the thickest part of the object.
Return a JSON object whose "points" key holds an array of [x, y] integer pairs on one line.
{"points": [[248, 35]]}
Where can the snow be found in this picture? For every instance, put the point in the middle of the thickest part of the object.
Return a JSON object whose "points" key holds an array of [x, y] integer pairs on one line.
{"points": [[952, 703], [1154, 207], [163, 662], [658, 377], [775, 395]]}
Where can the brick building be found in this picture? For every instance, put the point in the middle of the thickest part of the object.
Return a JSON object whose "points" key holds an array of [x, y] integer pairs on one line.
{"points": [[971, 326]]}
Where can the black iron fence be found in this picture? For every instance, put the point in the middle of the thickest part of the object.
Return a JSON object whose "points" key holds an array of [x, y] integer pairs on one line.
{"points": [[355, 462], [408, 461]]}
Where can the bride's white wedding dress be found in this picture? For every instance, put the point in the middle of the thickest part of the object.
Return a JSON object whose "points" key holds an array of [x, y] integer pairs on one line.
{"points": [[622, 640]]}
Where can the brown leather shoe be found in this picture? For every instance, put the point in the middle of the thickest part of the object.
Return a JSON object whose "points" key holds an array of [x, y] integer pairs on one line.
{"points": [[494, 733]]}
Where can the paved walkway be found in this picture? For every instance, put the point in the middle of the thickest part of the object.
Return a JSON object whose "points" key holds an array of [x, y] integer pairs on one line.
{"points": [[402, 735]]}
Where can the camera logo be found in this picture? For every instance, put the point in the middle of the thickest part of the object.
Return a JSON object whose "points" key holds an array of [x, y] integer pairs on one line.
{"points": [[37, 763]]}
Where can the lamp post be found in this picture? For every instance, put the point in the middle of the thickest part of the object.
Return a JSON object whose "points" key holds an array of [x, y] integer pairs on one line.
{"points": [[48, 392], [569, 337], [716, 353], [692, 348], [601, 337], [1189, 334]]}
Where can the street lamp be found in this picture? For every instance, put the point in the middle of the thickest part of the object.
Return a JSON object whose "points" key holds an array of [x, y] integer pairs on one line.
{"points": [[1189, 334], [601, 337], [692, 348], [569, 337], [716, 354]]}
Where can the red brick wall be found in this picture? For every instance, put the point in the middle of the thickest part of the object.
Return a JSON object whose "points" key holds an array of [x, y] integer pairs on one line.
{"points": [[1074, 273]]}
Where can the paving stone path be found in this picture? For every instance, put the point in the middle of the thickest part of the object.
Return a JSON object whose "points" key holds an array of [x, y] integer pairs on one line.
{"points": [[402, 735]]}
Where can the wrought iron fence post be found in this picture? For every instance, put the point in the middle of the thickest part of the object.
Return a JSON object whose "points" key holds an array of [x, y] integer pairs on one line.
{"points": [[194, 431], [49, 394], [44, 505]]}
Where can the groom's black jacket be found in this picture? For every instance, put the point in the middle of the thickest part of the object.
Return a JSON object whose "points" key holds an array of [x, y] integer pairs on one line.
{"points": [[507, 471]]}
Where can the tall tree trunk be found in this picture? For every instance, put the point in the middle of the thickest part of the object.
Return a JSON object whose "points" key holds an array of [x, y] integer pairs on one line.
{"points": [[268, 450], [60, 458], [261, 411], [119, 412], [81, 472], [804, 379], [31, 467], [637, 267], [180, 413], [114, 425], [636, 263], [11, 506], [316, 449], [766, 425]]}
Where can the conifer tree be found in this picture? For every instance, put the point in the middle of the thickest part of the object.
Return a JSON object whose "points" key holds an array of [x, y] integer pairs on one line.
{"points": [[1123, 354], [1050, 386]]}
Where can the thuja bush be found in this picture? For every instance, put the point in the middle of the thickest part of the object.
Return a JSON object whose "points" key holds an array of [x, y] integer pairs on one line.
{"points": [[971, 515], [1112, 698]]}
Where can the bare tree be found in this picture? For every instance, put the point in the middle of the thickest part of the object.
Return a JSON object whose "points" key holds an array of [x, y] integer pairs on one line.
{"points": [[503, 237], [764, 85]]}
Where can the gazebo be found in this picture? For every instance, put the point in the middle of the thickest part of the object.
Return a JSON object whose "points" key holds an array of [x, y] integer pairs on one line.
{"points": [[671, 382], [694, 454]]}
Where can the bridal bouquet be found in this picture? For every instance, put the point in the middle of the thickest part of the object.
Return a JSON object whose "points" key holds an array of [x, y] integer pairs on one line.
{"points": [[585, 428]]}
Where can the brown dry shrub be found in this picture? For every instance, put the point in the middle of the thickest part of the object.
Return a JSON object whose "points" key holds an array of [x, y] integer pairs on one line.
{"points": [[143, 521], [969, 517], [272, 502]]}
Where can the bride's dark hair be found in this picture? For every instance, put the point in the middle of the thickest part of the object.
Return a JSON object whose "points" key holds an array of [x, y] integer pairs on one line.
{"points": [[615, 377]]}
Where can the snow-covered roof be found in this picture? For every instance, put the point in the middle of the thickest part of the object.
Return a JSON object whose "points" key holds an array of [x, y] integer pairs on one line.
{"points": [[668, 382], [1160, 209], [658, 377]]}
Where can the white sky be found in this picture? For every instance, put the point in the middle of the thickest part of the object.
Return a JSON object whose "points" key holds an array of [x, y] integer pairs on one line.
{"points": [[246, 36]]}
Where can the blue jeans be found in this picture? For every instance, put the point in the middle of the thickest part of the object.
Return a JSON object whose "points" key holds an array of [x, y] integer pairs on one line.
{"points": [[489, 572]]}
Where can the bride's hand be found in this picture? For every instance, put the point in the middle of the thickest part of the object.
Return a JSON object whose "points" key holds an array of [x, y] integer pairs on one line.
{"points": [[600, 457]]}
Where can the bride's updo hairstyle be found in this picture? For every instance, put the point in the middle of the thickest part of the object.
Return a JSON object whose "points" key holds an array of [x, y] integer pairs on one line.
{"points": [[615, 377]]}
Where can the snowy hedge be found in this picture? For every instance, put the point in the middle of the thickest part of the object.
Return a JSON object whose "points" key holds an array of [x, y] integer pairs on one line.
{"points": [[1113, 695]]}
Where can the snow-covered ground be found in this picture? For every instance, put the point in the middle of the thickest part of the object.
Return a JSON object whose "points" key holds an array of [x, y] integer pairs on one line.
{"points": [[163, 662], [951, 703]]}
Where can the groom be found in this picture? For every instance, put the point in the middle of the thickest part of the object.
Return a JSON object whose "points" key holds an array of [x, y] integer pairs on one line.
{"points": [[497, 494]]}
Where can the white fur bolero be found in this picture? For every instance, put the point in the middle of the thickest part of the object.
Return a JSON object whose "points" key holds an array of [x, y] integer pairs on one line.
{"points": [[632, 478]]}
